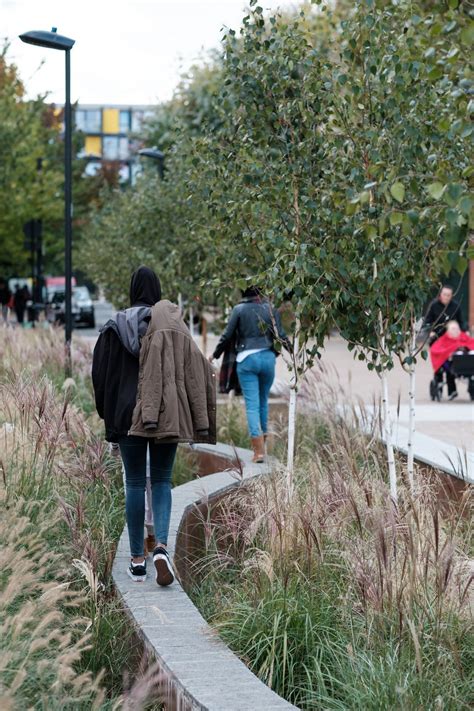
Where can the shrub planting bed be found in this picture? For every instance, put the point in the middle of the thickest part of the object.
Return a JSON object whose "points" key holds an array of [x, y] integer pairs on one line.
{"points": [[334, 597], [65, 640]]}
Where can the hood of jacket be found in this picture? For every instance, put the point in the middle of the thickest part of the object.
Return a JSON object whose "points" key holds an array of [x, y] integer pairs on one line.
{"points": [[145, 287], [166, 315], [130, 326]]}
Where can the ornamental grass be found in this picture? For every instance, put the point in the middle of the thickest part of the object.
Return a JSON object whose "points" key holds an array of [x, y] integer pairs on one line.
{"points": [[334, 597], [65, 640]]}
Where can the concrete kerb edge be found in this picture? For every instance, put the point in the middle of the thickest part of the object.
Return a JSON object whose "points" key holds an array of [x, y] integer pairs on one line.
{"points": [[246, 690]]}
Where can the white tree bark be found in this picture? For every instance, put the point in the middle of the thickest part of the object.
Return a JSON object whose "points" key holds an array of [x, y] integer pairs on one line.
{"points": [[412, 411], [387, 420], [292, 414], [388, 426]]}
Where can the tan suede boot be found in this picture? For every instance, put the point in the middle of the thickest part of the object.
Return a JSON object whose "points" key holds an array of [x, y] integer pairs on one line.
{"points": [[150, 543], [258, 449]]}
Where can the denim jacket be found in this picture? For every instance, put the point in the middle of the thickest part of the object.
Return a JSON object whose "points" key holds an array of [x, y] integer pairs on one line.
{"points": [[252, 322]]}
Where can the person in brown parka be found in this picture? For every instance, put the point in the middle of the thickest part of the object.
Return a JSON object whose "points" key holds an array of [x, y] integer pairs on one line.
{"points": [[154, 389]]}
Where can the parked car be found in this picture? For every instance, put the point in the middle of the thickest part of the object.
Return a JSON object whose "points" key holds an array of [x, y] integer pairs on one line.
{"points": [[83, 311], [55, 285]]}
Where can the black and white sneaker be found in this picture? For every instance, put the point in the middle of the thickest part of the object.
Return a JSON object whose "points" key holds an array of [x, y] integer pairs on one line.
{"points": [[164, 571], [453, 395], [137, 571]]}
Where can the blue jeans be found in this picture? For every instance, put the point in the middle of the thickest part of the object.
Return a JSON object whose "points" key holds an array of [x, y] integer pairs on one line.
{"points": [[256, 374], [133, 450]]}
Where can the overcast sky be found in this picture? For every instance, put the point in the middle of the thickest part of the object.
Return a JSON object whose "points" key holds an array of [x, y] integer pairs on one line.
{"points": [[126, 51]]}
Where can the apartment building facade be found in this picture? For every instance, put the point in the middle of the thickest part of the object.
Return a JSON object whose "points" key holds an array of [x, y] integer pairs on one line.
{"points": [[110, 135]]}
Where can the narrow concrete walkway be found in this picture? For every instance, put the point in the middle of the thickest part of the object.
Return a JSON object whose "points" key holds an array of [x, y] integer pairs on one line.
{"points": [[433, 450], [200, 670]]}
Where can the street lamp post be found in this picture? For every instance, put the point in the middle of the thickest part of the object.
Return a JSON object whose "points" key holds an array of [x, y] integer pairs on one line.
{"points": [[157, 155], [52, 40]]}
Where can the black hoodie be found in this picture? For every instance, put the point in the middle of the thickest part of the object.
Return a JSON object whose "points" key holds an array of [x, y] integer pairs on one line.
{"points": [[115, 362]]}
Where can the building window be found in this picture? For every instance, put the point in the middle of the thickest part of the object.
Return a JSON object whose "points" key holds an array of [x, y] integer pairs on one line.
{"points": [[124, 123], [92, 146], [137, 121], [89, 120], [110, 120], [115, 148], [123, 148]]}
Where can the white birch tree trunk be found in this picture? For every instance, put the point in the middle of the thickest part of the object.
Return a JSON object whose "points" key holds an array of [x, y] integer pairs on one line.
{"points": [[387, 421], [412, 412], [388, 426], [292, 415]]}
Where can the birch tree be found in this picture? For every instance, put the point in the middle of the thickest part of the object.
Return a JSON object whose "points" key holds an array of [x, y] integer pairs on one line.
{"points": [[399, 132]]}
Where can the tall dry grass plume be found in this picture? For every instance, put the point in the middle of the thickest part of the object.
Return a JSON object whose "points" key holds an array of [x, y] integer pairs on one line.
{"points": [[61, 513], [336, 598]]}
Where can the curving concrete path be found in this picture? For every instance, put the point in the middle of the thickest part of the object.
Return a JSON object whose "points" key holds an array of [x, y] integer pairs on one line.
{"points": [[200, 670]]}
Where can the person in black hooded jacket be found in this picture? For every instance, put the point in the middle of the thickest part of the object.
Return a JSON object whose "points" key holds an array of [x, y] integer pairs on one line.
{"points": [[115, 368], [115, 362]]}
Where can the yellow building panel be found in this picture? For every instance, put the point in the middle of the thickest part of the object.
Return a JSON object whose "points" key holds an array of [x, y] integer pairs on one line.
{"points": [[93, 146], [110, 121]]}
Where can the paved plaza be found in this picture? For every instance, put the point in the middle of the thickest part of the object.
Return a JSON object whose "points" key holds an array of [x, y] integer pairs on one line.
{"points": [[450, 422]]}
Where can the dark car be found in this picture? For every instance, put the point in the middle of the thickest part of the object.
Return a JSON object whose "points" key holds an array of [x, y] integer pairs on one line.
{"points": [[82, 307]]}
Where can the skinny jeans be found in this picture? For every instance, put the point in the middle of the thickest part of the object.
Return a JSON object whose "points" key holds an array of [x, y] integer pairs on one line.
{"points": [[256, 375], [162, 455]]}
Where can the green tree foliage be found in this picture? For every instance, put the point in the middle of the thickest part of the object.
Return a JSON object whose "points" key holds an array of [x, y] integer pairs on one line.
{"points": [[158, 222], [32, 176], [192, 109], [325, 156], [398, 134], [340, 172], [26, 137]]}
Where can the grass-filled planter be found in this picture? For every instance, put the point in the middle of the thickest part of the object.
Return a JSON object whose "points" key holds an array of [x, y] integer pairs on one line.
{"points": [[65, 639], [335, 598]]}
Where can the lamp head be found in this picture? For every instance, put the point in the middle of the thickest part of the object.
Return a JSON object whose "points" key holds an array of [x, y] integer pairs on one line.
{"points": [[151, 153], [51, 40]]}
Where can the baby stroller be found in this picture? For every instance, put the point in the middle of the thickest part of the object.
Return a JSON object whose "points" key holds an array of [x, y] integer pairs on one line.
{"points": [[459, 366]]}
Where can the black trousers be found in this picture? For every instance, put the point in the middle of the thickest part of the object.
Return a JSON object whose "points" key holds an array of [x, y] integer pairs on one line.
{"points": [[451, 381], [20, 313]]}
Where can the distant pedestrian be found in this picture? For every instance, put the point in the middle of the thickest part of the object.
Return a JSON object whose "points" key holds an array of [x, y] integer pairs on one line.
{"points": [[441, 310], [255, 325], [5, 297], [153, 388], [20, 297]]}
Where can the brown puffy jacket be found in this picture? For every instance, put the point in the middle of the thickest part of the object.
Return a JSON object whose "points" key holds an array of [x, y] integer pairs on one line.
{"points": [[176, 396]]}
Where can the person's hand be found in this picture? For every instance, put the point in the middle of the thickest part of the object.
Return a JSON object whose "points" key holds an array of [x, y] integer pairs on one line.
{"points": [[432, 334]]}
